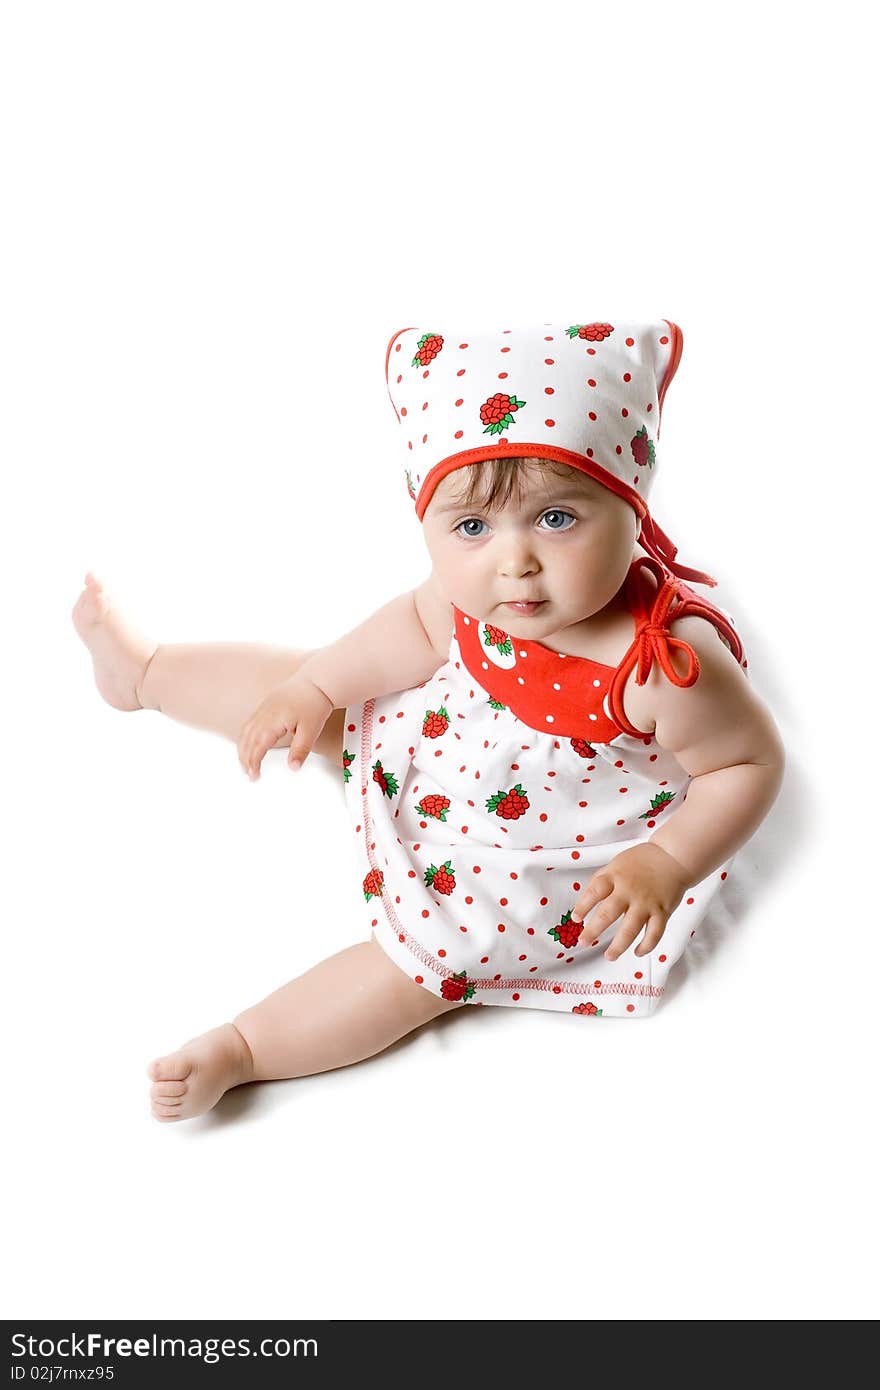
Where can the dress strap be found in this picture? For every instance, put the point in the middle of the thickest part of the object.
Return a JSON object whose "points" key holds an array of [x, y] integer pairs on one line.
{"points": [[673, 599]]}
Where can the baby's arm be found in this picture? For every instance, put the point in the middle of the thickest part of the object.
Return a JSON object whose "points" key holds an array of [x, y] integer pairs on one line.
{"points": [[724, 736], [398, 647]]}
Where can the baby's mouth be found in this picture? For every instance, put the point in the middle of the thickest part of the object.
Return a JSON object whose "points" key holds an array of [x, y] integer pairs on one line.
{"points": [[526, 608]]}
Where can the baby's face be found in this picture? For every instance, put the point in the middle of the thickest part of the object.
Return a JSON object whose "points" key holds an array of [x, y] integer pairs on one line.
{"points": [[567, 542]]}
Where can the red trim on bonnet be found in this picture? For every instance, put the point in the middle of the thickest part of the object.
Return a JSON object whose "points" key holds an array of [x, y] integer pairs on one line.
{"points": [[674, 359], [391, 343], [525, 448]]}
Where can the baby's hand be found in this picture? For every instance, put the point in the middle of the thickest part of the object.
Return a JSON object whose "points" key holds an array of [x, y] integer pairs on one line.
{"points": [[296, 707], [646, 884]]}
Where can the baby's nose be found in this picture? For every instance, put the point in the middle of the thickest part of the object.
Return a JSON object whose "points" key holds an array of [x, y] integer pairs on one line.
{"points": [[517, 563]]}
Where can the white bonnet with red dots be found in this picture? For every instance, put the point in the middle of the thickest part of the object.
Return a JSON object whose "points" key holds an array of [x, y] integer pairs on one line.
{"points": [[586, 394]]}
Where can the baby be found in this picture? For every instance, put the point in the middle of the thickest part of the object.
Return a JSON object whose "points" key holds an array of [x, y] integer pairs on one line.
{"points": [[550, 749]]}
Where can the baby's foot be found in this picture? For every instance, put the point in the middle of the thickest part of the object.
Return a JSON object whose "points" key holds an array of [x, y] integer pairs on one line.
{"points": [[192, 1080], [119, 652]]}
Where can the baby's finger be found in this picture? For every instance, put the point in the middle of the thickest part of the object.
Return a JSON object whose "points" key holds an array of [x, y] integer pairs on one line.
{"points": [[626, 933], [607, 913], [656, 928], [598, 888], [261, 740], [304, 739]]}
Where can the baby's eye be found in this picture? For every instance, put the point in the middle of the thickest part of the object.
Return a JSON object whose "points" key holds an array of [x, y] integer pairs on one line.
{"points": [[469, 522], [555, 515]]}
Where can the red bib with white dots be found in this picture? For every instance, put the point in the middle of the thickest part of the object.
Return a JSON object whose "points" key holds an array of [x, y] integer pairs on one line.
{"points": [[485, 799]]}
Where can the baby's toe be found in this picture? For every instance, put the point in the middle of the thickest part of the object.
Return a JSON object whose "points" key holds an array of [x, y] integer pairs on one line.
{"points": [[168, 1090], [165, 1115], [176, 1066]]}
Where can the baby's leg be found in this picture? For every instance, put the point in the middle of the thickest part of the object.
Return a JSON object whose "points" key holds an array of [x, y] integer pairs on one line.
{"points": [[346, 1008], [209, 685]]}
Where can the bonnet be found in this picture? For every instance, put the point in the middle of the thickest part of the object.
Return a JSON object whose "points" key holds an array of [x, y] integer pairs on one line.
{"points": [[586, 394]]}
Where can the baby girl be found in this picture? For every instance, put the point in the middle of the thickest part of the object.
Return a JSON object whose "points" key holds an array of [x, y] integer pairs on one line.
{"points": [[550, 749]]}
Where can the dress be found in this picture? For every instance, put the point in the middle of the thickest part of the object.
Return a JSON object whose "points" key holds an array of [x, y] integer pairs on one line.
{"points": [[484, 799]]}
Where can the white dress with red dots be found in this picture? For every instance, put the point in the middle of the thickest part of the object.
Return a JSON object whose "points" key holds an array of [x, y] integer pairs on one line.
{"points": [[486, 798]]}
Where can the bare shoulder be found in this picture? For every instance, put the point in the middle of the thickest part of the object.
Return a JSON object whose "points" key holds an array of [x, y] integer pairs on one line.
{"points": [[720, 719], [435, 612]]}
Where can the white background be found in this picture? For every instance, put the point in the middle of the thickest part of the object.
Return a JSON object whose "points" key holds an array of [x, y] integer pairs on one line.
{"points": [[214, 217]]}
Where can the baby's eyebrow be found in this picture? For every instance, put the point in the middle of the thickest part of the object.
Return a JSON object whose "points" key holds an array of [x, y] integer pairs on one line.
{"points": [[535, 501]]}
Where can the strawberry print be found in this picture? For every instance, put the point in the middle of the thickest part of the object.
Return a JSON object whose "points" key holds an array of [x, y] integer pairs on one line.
{"points": [[582, 748], [495, 412], [459, 987], [497, 637], [496, 704], [588, 1008], [429, 345], [442, 880], [347, 760], [409, 485], [642, 446], [658, 804], [566, 932], [435, 806], [386, 780], [435, 723], [509, 805], [373, 884], [590, 332]]}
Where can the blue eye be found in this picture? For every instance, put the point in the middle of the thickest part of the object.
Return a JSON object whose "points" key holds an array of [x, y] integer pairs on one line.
{"points": [[470, 521], [558, 513]]}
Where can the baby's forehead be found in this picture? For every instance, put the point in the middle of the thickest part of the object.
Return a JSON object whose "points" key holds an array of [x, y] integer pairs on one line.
{"points": [[452, 490]]}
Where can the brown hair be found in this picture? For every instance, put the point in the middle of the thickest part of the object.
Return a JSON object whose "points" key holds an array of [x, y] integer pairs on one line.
{"points": [[496, 480]]}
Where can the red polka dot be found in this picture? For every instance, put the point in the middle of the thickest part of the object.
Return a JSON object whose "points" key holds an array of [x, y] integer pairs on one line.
{"points": [[523, 958], [468, 901], [724, 875], [400, 936], [501, 926], [425, 912], [689, 901], [477, 869], [544, 902], [597, 983], [441, 953], [484, 960], [351, 728], [502, 902], [629, 1008], [661, 958], [550, 424], [514, 996], [419, 980]]}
